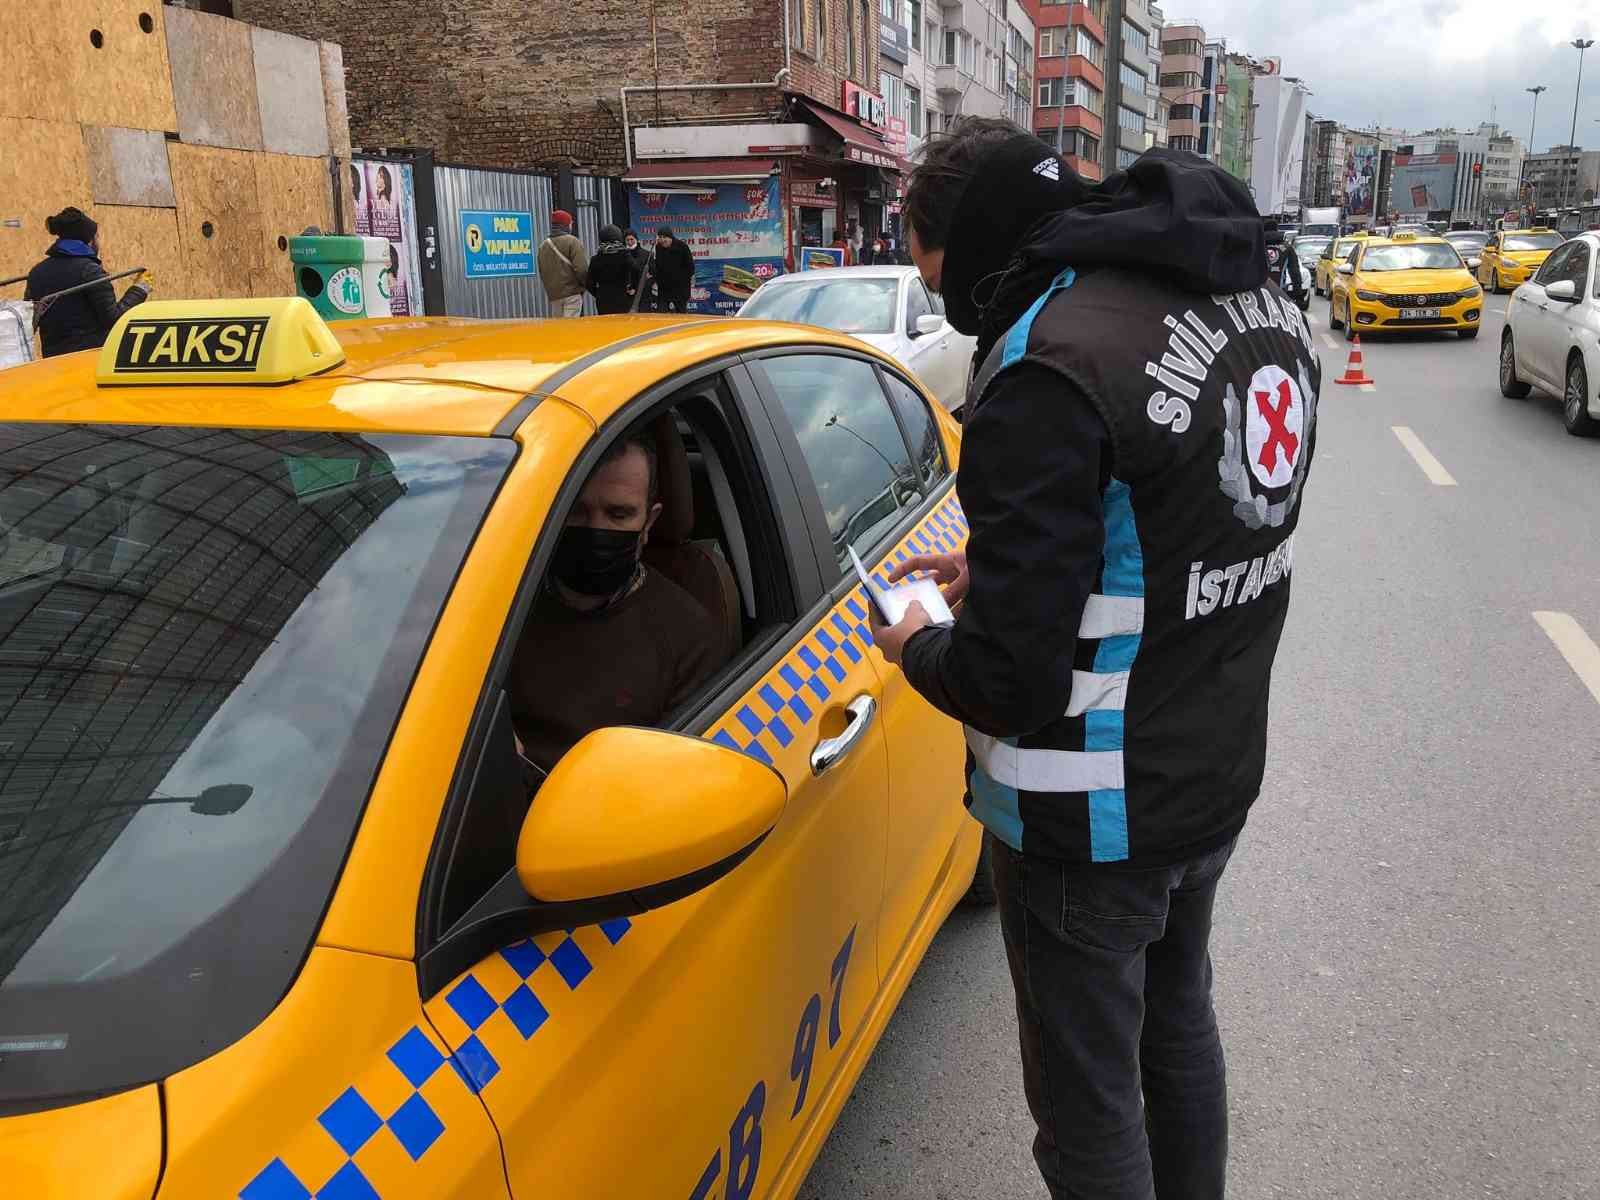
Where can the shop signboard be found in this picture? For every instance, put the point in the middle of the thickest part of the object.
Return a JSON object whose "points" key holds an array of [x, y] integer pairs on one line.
{"points": [[735, 231], [496, 243], [894, 40], [873, 158], [1360, 180], [895, 138]]}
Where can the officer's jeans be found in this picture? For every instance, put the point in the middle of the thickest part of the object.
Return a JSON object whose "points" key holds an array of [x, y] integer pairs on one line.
{"points": [[1121, 1058]]}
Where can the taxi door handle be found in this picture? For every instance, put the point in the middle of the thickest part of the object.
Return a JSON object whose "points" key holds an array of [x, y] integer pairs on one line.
{"points": [[829, 751]]}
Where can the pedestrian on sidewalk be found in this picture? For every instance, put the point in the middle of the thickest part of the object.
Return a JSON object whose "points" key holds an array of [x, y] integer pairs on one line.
{"points": [[673, 271], [81, 320], [1119, 611], [563, 267], [612, 278]]}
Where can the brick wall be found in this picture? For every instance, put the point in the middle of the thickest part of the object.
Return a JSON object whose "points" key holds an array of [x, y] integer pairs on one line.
{"points": [[492, 83]]}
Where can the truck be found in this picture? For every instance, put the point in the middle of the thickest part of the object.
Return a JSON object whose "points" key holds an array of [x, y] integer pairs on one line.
{"points": [[1319, 222]]}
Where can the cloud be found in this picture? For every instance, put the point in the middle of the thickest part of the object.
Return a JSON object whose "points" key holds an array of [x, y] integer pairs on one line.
{"points": [[1424, 64]]}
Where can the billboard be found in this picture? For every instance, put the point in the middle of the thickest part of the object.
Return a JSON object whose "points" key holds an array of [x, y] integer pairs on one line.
{"points": [[1360, 179], [1423, 183], [735, 231]]}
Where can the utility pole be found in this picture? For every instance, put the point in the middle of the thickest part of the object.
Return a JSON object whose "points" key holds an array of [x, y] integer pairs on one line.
{"points": [[1580, 45]]}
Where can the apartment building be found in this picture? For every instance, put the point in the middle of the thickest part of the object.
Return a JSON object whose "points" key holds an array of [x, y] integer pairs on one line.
{"points": [[1069, 107], [1155, 105], [1128, 26], [1236, 115], [1183, 48], [1277, 174]]}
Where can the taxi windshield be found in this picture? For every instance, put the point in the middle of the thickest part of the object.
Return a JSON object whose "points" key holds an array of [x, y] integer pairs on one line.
{"points": [[1420, 256], [206, 636], [1342, 248], [850, 305], [1532, 241]]}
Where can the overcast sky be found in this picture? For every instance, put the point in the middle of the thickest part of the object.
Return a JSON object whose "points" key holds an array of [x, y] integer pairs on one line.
{"points": [[1422, 64]]}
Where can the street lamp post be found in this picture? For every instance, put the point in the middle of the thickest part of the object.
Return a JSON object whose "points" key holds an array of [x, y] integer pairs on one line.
{"points": [[1533, 125], [1580, 45]]}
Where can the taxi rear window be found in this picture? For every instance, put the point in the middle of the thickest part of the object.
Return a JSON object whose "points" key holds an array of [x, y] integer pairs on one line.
{"points": [[205, 639], [1533, 241]]}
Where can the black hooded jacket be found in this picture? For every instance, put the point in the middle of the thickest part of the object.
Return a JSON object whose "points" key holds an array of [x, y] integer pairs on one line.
{"points": [[1129, 567], [81, 320]]}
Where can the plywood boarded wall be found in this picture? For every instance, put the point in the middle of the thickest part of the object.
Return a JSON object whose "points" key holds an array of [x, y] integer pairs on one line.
{"points": [[42, 170], [219, 218], [125, 80], [294, 193], [145, 237]]}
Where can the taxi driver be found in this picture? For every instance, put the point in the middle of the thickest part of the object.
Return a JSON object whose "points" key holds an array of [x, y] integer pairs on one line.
{"points": [[610, 641]]}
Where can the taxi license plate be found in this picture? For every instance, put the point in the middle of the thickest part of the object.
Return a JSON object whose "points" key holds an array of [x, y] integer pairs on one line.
{"points": [[1420, 314]]}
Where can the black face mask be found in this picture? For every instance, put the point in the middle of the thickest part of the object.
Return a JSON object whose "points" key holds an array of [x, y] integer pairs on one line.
{"points": [[595, 562]]}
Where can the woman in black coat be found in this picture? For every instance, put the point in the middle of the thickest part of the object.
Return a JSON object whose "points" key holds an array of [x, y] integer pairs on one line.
{"points": [[613, 276], [82, 320]]}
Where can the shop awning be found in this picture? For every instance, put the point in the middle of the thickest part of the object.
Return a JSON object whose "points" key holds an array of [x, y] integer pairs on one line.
{"points": [[702, 170], [860, 143]]}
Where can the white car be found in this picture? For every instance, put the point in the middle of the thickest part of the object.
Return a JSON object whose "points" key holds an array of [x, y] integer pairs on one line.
{"points": [[1550, 339], [886, 306]]}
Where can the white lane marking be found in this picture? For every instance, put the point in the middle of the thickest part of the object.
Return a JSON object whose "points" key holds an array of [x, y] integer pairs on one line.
{"points": [[1576, 646], [1367, 387], [1331, 341], [1431, 466]]}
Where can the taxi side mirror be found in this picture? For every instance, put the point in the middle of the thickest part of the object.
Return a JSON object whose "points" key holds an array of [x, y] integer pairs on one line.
{"points": [[1346, 269], [645, 817], [1474, 263]]}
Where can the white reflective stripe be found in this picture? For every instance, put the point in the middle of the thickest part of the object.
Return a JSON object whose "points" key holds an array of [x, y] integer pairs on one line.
{"points": [[1097, 691], [1108, 616], [1046, 770]]}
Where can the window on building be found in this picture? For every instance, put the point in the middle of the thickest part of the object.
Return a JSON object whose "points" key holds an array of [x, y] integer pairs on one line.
{"points": [[1183, 112], [916, 25], [913, 111], [869, 42], [1131, 78], [890, 9], [1180, 79], [797, 22], [894, 94], [1130, 119], [1183, 46], [1135, 42], [1182, 142], [819, 27], [969, 55], [1052, 92], [1089, 48], [1070, 141], [1052, 42], [1125, 158], [951, 41], [850, 38]]}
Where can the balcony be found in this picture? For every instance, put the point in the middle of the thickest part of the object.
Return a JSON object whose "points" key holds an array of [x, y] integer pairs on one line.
{"points": [[949, 81]]}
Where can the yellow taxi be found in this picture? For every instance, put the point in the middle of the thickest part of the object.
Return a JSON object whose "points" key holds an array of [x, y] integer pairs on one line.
{"points": [[287, 912], [1334, 253], [1514, 256], [1405, 283]]}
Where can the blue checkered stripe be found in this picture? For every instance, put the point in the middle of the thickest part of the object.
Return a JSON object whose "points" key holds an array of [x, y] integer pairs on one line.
{"points": [[522, 1008], [766, 720], [350, 1122]]}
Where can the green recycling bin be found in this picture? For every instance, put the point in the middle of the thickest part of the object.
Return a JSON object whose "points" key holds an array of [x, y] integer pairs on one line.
{"points": [[341, 276]]}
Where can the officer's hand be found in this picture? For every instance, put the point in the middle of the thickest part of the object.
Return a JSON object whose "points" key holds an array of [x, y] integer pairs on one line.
{"points": [[949, 571], [891, 639]]}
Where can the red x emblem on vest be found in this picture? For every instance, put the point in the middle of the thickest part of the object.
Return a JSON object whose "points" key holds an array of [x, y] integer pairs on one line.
{"points": [[1277, 427]]}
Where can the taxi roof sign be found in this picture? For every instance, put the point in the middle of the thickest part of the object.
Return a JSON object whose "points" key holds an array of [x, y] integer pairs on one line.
{"points": [[227, 343]]}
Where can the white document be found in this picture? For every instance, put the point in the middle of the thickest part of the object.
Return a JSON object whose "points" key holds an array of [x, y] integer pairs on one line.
{"points": [[892, 603]]}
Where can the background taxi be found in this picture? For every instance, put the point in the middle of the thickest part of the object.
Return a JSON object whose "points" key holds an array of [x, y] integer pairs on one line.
{"points": [[1334, 253], [1513, 256], [1405, 283], [283, 920]]}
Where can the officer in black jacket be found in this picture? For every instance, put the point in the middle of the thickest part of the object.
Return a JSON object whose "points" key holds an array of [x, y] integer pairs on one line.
{"points": [[82, 320], [1138, 435]]}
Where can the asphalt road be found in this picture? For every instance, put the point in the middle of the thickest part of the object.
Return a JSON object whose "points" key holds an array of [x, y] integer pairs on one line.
{"points": [[1407, 951]]}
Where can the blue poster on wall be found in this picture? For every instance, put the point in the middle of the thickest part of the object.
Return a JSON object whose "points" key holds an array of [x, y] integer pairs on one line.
{"points": [[496, 244], [735, 231]]}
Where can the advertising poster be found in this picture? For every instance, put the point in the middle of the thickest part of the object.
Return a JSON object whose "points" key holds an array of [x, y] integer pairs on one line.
{"points": [[1424, 183], [1360, 180], [386, 207], [735, 231], [820, 258], [495, 243]]}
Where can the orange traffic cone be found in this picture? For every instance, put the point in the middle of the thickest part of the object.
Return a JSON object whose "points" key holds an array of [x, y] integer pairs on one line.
{"points": [[1354, 372]]}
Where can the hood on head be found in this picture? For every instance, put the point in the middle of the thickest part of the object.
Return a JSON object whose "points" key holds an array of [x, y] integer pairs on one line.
{"points": [[1026, 215]]}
